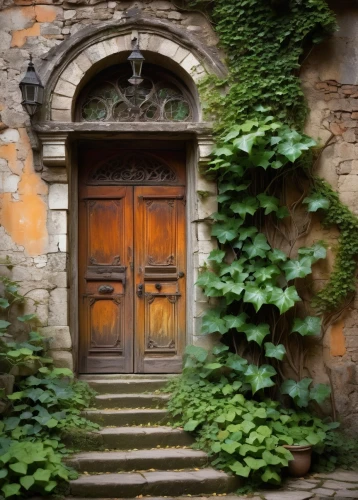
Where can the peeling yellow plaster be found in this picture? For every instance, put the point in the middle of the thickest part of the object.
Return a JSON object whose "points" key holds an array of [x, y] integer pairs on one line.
{"points": [[25, 220], [19, 37], [45, 13]]}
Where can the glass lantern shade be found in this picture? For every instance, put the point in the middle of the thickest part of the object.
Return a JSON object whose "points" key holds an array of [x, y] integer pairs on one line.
{"points": [[32, 90], [136, 59]]}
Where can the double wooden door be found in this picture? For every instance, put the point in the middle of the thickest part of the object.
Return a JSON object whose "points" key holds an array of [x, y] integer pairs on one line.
{"points": [[131, 262]]}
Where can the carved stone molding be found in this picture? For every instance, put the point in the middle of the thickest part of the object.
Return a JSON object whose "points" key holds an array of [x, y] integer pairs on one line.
{"points": [[205, 148], [53, 149]]}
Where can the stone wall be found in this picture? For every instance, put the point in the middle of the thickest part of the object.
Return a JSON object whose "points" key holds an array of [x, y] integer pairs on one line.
{"points": [[330, 82]]}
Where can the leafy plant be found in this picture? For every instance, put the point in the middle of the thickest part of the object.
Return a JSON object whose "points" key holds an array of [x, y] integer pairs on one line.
{"points": [[242, 434]]}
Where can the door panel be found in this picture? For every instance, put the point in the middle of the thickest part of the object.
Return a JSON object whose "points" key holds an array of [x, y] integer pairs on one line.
{"points": [[160, 260], [131, 263], [106, 283]]}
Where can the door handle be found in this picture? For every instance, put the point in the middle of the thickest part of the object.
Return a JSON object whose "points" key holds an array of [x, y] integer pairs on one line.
{"points": [[140, 290]]}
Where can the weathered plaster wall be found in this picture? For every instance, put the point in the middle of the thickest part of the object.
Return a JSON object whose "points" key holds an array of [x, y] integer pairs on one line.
{"points": [[330, 82]]}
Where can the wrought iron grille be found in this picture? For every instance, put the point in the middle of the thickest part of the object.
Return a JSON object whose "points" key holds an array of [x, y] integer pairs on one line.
{"points": [[155, 99]]}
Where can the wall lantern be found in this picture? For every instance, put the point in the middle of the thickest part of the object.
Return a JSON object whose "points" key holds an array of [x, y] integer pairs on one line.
{"points": [[136, 59], [32, 90]]}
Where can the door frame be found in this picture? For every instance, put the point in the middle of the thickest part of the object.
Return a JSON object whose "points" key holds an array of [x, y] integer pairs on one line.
{"points": [[162, 141]]}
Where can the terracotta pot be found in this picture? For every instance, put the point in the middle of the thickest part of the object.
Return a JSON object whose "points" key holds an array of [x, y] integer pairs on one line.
{"points": [[301, 462]]}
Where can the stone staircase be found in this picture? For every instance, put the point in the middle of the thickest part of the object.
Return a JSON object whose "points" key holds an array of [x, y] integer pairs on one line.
{"points": [[142, 455]]}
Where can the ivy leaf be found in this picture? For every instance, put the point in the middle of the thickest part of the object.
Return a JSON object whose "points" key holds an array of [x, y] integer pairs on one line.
{"points": [[19, 467], [282, 212], [230, 447], [297, 268], [247, 232], [10, 489], [320, 393], [212, 323], [198, 353], [256, 296], [42, 475], [260, 377], [276, 256], [4, 303], [26, 317], [269, 203], [240, 470], [315, 252], [270, 476], [255, 463], [235, 321], [258, 247], [4, 324], [246, 142], [206, 279], [226, 231], [231, 287], [284, 299], [248, 205], [316, 202], [236, 363], [266, 273], [27, 482], [223, 151], [274, 351], [262, 158], [230, 186], [216, 256], [310, 325], [191, 425], [298, 391], [256, 333]]}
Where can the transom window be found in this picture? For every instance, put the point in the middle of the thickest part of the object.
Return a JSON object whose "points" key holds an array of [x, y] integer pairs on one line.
{"points": [[111, 98]]}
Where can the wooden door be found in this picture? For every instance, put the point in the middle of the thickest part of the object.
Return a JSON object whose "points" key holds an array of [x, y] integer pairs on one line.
{"points": [[131, 263]]}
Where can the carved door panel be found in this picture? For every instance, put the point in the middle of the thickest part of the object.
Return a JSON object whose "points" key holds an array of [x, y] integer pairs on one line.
{"points": [[159, 241], [131, 262], [105, 279]]}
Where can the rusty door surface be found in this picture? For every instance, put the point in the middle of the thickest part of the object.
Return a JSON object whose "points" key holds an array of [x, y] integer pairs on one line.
{"points": [[131, 262]]}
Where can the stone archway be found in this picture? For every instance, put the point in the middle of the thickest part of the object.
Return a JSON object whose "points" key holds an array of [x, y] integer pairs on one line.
{"points": [[65, 73]]}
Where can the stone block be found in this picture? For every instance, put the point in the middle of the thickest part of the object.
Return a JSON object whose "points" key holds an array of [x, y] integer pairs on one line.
{"points": [[83, 62], [348, 183], [58, 279], [56, 262], [161, 5], [95, 52], [62, 243], [40, 261], [58, 197], [59, 336], [125, 42], [64, 88], [73, 73], [176, 16], [181, 54], [61, 102], [57, 314], [60, 115], [207, 206], [69, 14], [203, 231], [54, 174], [110, 46], [57, 222], [62, 359], [167, 48]]}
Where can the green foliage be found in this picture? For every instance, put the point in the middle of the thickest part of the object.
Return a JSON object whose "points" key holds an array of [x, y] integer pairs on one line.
{"points": [[342, 283], [264, 47], [243, 435], [46, 402]]}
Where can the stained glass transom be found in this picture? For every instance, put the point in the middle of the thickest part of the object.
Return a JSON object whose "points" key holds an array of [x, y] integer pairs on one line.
{"points": [[155, 99], [133, 169]]}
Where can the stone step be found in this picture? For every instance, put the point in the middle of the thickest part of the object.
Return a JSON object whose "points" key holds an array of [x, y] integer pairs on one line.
{"points": [[159, 459], [163, 483], [126, 385], [131, 400], [120, 418], [127, 438]]}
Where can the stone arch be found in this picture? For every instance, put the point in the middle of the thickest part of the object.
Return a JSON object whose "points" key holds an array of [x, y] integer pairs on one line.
{"points": [[71, 65]]}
